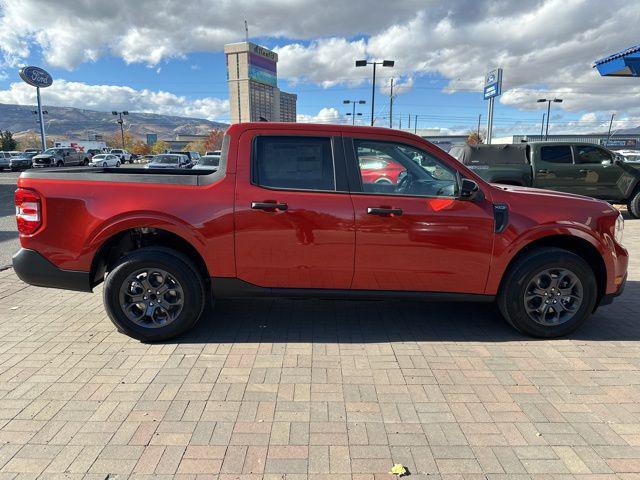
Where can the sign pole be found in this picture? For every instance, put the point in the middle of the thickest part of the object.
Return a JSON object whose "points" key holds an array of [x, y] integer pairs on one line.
{"points": [[43, 138], [490, 121]]}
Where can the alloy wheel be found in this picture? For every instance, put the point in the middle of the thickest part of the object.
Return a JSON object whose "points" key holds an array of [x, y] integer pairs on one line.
{"points": [[151, 297], [553, 296]]}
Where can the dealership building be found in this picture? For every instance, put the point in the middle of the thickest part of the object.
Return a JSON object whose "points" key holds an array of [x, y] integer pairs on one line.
{"points": [[254, 95]]}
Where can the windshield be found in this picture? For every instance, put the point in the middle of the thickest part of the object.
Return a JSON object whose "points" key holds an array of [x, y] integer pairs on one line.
{"points": [[53, 151], [96, 157], [166, 159], [116, 151], [210, 161]]}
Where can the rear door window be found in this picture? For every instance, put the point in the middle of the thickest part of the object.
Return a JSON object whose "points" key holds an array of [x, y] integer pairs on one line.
{"points": [[294, 163], [556, 154]]}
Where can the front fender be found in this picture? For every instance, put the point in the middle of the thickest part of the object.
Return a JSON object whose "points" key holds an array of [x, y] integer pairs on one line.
{"points": [[508, 246]]}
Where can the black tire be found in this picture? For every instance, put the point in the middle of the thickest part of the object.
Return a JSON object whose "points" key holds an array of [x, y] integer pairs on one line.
{"points": [[85, 162], [59, 163], [178, 266], [634, 204], [511, 298]]}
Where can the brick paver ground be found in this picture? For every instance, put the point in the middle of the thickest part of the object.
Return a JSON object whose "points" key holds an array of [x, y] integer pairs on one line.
{"points": [[280, 389]]}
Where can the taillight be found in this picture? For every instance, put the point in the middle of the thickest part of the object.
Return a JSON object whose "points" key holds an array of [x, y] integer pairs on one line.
{"points": [[28, 211]]}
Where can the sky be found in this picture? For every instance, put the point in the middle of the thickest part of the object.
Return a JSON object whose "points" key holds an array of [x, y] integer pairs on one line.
{"points": [[166, 57]]}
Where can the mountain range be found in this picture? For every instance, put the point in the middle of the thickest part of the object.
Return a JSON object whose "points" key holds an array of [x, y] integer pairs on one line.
{"points": [[76, 123]]}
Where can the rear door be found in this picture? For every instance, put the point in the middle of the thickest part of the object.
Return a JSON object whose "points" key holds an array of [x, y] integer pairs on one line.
{"points": [[293, 213], [598, 173], [553, 168]]}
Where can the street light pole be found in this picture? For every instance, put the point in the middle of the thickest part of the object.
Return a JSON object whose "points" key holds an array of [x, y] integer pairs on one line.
{"points": [[542, 125], [391, 105], [542, 100], [609, 133], [121, 122], [364, 63], [354, 102]]}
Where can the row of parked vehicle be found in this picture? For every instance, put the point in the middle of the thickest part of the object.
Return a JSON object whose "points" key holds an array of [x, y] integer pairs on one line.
{"points": [[68, 156]]}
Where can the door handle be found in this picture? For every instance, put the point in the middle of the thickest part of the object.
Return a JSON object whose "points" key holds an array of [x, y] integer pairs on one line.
{"points": [[544, 171], [269, 206], [585, 170], [384, 211]]}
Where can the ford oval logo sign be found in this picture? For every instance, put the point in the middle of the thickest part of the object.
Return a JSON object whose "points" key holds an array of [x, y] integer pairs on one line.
{"points": [[36, 76]]}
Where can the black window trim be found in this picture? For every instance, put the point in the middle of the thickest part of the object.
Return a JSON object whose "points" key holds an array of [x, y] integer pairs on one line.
{"points": [[355, 178], [337, 156]]}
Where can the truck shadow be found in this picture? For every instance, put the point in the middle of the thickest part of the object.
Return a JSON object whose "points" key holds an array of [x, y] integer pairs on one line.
{"points": [[344, 321]]}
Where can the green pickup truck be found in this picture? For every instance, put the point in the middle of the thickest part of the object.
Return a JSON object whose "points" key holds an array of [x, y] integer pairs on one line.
{"points": [[580, 168]]}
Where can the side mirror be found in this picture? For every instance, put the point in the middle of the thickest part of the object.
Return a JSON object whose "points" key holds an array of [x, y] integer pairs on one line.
{"points": [[606, 162], [469, 190]]}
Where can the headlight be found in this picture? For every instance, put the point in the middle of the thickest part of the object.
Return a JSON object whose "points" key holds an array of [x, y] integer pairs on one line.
{"points": [[619, 229]]}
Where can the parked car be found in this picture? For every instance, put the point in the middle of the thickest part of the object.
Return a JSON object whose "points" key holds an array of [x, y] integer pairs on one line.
{"points": [[5, 158], [21, 162], [192, 156], [379, 169], [288, 213], [32, 150], [583, 169], [146, 158], [60, 157], [168, 160], [632, 156], [124, 155], [207, 162], [105, 160]]}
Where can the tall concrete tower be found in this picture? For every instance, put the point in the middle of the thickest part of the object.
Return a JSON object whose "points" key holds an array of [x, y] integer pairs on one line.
{"points": [[253, 85]]}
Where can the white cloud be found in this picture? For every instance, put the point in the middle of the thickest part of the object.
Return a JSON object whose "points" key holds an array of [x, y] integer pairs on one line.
{"points": [[546, 47], [115, 97], [325, 115]]}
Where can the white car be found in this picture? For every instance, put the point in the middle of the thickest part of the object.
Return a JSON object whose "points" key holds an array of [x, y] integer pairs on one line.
{"points": [[105, 160], [630, 155], [124, 155]]}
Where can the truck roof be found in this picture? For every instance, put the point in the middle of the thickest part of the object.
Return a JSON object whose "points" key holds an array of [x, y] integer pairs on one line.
{"points": [[238, 128]]}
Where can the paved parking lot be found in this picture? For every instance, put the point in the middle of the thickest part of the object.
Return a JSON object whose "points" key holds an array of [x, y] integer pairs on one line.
{"points": [[282, 389]]}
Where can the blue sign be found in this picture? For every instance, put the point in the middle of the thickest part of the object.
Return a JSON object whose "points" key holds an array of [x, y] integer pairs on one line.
{"points": [[152, 138], [36, 76], [493, 84]]}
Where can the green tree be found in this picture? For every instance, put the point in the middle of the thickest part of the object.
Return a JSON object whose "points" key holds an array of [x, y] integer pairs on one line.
{"points": [[7, 142]]}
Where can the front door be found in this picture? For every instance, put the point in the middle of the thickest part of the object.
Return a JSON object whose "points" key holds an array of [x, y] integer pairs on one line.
{"points": [[412, 232], [293, 214]]}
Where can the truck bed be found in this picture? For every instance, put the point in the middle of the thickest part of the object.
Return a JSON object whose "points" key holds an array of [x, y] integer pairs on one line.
{"points": [[178, 176]]}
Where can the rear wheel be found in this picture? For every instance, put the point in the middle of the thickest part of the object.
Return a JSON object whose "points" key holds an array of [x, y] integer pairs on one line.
{"points": [[634, 204], [548, 293], [59, 163], [104, 164], [117, 164], [154, 294]]}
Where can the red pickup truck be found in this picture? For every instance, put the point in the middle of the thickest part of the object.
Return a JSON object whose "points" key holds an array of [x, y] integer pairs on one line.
{"points": [[287, 212]]}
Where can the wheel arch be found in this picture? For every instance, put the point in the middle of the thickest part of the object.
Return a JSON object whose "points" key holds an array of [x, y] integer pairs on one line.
{"points": [[574, 244], [134, 238]]}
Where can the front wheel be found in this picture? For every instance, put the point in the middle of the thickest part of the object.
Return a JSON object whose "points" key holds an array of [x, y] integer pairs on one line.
{"points": [[634, 204], [154, 294], [548, 293], [117, 164], [59, 163]]}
